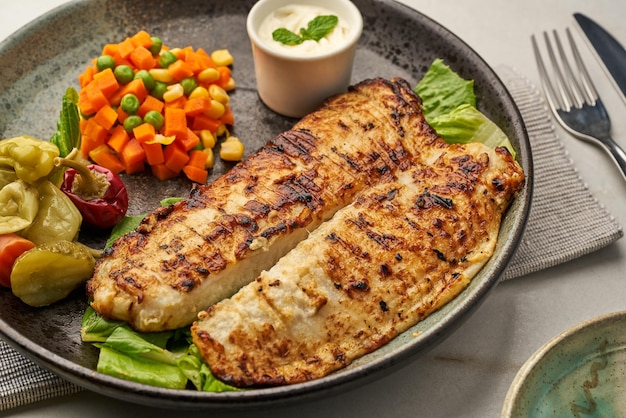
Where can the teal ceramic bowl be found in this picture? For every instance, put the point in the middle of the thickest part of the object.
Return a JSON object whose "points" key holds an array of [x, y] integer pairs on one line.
{"points": [[579, 373]]}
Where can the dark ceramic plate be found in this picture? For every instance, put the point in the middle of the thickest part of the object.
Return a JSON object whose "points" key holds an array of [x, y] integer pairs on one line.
{"points": [[42, 59]]}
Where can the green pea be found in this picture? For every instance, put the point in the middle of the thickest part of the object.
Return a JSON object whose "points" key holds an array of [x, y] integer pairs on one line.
{"points": [[124, 74], [105, 61], [158, 89], [130, 104], [146, 77], [189, 84], [131, 122], [155, 48], [155, 119], [166, 59]]}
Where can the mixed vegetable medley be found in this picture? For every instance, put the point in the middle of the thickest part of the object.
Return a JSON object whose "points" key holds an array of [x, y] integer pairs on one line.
{"points": [[142, 105], [146, 105]]}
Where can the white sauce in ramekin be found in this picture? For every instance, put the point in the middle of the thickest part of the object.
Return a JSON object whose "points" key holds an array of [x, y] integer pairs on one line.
{"points": [[294, 17]]}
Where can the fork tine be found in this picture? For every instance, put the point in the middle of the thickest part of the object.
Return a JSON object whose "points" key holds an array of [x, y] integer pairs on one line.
{"points": [[567, 98], [575, 92], [549, 90], [589, 89]]}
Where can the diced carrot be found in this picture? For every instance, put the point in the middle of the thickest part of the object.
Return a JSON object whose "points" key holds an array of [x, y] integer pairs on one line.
{"points": [[84, 104], [142, 58], [106, 117], [197, 105], [135, 87], [132, 154], [175, 157], [118, 139], [135, 168], [150, 103], [141, 38], [11, 247], [86, 77], [161, 172], [95, 131], [201, 122], [179, 69], [126, 47], [188, 141], [144, 132], [104, 156], [228, 118], [196, 174], [154, 153], [106, 82], [111, 49], [175, 122], [177, 104], [197, 158], [225, 75], [86, 145], [121, 115], [96, 98]]}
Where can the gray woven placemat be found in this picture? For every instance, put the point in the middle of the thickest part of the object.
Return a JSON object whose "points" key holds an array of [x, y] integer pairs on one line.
{"points": [[565, 222]]}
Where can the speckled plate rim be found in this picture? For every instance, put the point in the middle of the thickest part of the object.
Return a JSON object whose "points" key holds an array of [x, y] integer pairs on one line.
{"points": [[513, 404], [418, 339]]}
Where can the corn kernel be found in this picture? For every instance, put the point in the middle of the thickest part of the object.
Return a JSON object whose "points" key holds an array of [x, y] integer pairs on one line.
{"points": [[207, 138], [216, 110], [161, 74], [173, 92], [230, 84], [208, 75], [222, 57], [210, 158], [219, 94], [232, 149], [199, 92], [221, 130]]}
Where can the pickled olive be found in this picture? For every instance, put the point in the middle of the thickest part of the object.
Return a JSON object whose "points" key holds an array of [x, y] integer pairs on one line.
{"points": [[57, 217], [19, 204], [97, 192], [31, 158], [51, 271]]}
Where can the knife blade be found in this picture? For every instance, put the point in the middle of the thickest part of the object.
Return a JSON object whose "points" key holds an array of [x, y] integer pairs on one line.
{"points": [[612, 54]]}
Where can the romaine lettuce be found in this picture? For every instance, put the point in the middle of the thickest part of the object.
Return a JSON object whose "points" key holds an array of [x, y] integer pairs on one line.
{"points": [[450, 108]]}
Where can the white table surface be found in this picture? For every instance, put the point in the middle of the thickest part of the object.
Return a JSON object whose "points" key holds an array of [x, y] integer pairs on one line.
{"points": [[468, 375]]}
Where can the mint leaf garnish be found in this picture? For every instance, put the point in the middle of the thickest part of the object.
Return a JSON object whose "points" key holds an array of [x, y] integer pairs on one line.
{"points": [[287, 37], [316, 29]]}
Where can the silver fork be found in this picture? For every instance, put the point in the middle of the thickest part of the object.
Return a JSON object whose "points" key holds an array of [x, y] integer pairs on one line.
{"points": [[574, 100]]}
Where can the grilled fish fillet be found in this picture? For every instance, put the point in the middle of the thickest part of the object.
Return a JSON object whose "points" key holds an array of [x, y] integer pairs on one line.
{"points": [[185, 257], [400, 251]]}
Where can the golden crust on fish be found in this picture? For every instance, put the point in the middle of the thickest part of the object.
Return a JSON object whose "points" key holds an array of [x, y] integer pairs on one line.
{"points": [[399, 252], [185, 257]]}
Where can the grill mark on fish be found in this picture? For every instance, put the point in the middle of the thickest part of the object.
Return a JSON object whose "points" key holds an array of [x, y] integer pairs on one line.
{"points": [[242, 222]]}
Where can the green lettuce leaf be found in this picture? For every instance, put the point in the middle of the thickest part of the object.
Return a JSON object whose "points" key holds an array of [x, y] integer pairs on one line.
{"points": [[442, 90], [450, 108], [466, 124], [137, 369]]}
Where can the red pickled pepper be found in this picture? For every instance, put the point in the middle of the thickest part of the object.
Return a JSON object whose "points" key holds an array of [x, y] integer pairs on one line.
{"points": [[100, 195]]}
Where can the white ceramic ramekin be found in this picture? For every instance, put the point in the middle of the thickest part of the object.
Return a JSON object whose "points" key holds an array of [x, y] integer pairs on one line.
{"points": [[296, 85]]}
